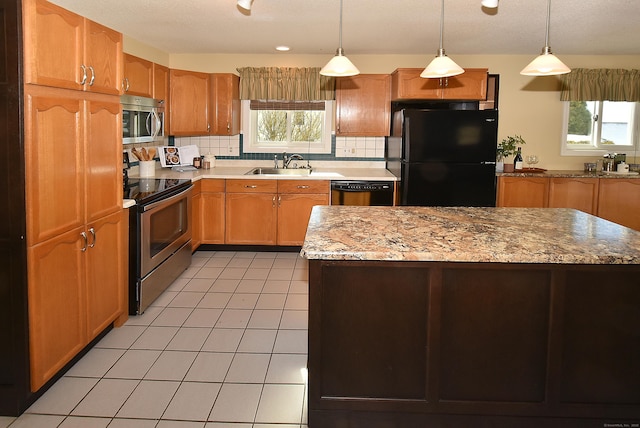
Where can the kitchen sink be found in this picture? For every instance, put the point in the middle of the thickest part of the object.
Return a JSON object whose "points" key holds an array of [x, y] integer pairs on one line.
{"points": [[279, 171]]}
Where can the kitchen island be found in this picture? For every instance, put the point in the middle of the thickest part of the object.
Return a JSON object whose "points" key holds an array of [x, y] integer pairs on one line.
{"points": [[492, 317]]}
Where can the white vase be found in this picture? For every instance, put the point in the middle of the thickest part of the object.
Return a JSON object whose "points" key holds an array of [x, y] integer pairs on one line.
{"points": [[499, 166]]}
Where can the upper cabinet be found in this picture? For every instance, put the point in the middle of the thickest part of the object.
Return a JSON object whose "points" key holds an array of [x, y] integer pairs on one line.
{"points": [[65, 50], [138, 76], [363, 105], [225, 104], [161, 83], [406, 84], [189, 101], [204, 104]]}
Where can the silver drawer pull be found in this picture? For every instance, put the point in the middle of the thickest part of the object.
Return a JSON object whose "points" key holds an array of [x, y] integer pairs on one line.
{"points": [[86, 242], [252, 186], [303, 187]]}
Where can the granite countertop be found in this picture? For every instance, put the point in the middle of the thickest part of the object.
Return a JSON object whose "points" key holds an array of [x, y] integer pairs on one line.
{"points": [[455, 234], [569, 174]]}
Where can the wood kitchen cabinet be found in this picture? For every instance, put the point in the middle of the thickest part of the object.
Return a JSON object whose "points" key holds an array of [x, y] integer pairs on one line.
{"points": [[189, 101], [138, 76], [212, 223], [65, 50], [271, 212], [619, 201], [526, 192], [75, 231], [251, 212], [161, 92], [225, 104], [363, 105], [296, 198], [579, 193], [406, 84]]}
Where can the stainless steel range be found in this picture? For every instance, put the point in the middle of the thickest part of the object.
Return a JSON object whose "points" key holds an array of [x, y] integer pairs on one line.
{"points": [[159, 237]]}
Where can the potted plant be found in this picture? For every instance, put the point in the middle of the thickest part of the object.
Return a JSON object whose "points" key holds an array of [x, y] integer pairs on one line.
{"points": [[506, 148]]}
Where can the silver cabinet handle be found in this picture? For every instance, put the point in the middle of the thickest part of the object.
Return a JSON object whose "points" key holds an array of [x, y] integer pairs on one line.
{"points": [[92, 231], [252, 186], [84, 74], [279, 200], [93, 76], [125, 84], [86, 242], [228, 127], [273, 202], [303, 187]]}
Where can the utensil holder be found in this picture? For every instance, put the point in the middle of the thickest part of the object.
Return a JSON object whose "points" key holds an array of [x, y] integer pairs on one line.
{"points": [[147, 168]]}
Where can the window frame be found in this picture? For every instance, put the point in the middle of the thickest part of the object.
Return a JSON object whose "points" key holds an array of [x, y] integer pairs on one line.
{"points": [[597, 149], [251, 145]]}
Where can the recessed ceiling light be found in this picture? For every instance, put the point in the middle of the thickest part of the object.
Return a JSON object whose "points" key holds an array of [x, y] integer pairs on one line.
{"points": [[283, 48]]}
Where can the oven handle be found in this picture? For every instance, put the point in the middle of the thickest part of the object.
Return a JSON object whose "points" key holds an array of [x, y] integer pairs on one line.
{"points": [[168, 200]]}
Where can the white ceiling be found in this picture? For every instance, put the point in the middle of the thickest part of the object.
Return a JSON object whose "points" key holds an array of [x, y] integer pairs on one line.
{"points": [[584, 27]]}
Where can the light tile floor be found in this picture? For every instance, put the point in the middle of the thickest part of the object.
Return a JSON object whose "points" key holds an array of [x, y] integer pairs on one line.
{"points": [[224, 347]]}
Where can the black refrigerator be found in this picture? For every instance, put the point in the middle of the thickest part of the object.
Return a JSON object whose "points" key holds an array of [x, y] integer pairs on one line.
{"points": [[444, 157]]}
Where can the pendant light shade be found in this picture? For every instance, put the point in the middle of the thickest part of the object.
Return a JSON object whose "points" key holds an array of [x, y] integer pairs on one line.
{"points": [[339, 65], [546, 64], [442, 65], [245, 4], [491, 4]]}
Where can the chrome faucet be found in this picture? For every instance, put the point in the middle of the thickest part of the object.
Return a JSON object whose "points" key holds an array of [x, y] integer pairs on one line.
{"points": [[287, 160]]}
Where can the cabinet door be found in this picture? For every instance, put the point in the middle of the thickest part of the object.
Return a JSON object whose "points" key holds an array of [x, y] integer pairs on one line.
{"points": [[138, 76], [54, 153], [470, 85], [578, 193], [527, 192], [161, 83], [189, 100], [251, 218], [57, 325], [294, 211], [213, 218], [619, 201], [103, 157], [363, 106], [225, 104], [103, 58], [105, 272], [53, 45], [407, 84]]}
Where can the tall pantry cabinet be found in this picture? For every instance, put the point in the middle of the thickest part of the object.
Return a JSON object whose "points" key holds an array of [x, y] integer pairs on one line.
{"points": [[75, 231]]}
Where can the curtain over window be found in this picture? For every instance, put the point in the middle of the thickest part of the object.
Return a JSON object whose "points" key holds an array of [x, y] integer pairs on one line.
{"points": [[285, 84], [601, 84]]}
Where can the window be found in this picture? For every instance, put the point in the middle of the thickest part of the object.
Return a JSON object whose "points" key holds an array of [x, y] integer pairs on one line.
{"points": [[293, 126], [594, 127]]}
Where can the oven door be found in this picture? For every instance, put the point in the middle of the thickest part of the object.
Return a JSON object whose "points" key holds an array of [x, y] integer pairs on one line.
{"points": [[164, 229]]}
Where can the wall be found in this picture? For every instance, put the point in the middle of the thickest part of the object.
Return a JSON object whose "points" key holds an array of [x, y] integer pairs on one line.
{"points": [[528, 106]]}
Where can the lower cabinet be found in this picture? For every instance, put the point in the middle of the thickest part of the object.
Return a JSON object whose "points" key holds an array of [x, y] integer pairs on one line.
{"points": [[268, 212], [525, 192], [296, 198], [212, 202], [76, 288], [614, 199], [251, 212], [619, 201]]}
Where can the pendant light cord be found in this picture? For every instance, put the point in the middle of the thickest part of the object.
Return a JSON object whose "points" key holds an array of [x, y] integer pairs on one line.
{"points": [[546, 37], [441, 24], [340, 32]]}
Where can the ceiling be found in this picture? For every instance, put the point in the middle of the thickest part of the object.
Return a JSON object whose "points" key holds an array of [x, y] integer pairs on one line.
{"points": [[581, 27]]}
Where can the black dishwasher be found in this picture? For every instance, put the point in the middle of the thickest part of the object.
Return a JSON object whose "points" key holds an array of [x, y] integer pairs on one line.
{"points": [[367, 193]]}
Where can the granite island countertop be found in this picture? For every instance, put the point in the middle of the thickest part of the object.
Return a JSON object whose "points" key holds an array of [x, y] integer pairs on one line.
{"points": [[569, 174], [476, 235]]}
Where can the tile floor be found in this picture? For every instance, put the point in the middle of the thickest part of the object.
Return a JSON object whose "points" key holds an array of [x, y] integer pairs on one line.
{"points": [[224, 347]]}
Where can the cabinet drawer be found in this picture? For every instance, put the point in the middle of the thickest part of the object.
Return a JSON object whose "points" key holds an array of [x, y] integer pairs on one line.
{"points": [[252, 186], [303, 186], [212, 185]]}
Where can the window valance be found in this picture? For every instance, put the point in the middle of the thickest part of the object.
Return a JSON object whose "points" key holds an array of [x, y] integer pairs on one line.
{"points": [[285, 84], [601, 84]]}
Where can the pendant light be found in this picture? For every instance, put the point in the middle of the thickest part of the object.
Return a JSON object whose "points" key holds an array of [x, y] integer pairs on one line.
{"points": [[491, 4], [442, 65], [546, 64], [245, 4], [339, 65]]}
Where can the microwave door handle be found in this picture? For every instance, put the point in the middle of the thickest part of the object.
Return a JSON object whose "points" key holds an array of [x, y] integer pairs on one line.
{"points": [[149, 123], [154, 118]]}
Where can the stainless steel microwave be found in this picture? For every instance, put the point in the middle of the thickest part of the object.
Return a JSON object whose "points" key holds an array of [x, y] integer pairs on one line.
{"points": [[142, 119]]}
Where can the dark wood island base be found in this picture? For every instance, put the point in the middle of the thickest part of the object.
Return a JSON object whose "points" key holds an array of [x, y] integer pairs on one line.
{"points": [[422, 344], [417, 343]]}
